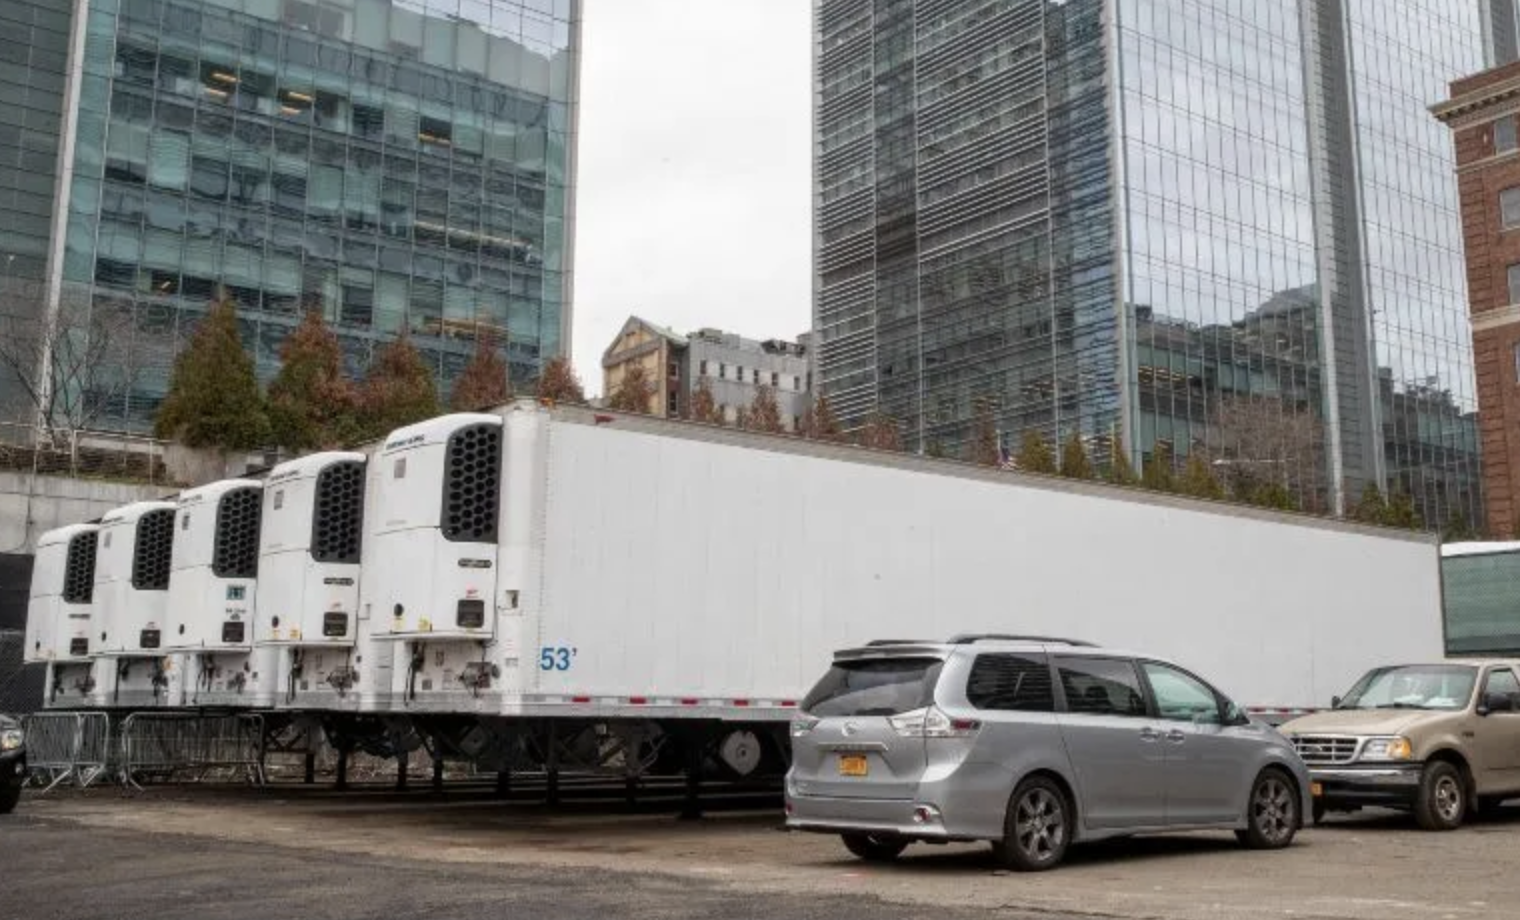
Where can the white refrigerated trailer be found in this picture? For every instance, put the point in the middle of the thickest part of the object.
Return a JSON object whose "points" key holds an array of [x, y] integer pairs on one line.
{"points": [[648, 572]]}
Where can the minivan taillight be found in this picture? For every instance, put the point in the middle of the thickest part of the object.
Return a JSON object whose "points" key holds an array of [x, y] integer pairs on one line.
{"points": [[803, 725], [931, 723]]}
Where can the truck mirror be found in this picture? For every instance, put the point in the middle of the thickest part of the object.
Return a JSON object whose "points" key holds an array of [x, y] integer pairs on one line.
{"points": [[1335, 702]]}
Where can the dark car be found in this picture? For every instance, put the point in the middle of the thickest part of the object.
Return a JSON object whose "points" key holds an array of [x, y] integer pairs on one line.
{"points": [[12, 763]]}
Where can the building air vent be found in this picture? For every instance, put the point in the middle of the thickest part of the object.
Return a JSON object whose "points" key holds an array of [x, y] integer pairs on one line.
{"points": [[79, 570], [151, 551], [471, 484], [235, 553], [338, 513]]}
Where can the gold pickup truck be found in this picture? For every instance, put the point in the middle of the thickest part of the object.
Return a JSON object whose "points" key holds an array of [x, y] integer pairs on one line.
{"points": [[1440, 740]]}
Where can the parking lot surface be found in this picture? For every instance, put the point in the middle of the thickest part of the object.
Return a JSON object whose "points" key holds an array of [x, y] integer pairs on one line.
{"points": [[232, 853]]}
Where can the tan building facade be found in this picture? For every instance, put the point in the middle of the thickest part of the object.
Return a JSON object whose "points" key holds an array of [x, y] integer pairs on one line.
{"points": [[1484, 116]]}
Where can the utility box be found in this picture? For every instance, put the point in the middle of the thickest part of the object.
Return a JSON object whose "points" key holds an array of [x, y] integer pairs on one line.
{"points": [[62, 593]]}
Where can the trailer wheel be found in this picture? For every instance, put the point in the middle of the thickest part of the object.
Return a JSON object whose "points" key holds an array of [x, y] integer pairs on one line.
{"points": [[874, 847]]}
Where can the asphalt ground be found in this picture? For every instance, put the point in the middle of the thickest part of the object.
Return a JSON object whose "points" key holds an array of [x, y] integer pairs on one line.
{"points": [[304, 853]]}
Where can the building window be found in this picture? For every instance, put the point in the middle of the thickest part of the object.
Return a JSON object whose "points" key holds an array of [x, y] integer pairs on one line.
{"points": [[755, 376], [672, 407], [673, 370], [797, 384], [1514, 283], [1506, 137], [739, 373], [1509, 207], [1517, 362], [722, 371], [775, 380], [702, 369]]}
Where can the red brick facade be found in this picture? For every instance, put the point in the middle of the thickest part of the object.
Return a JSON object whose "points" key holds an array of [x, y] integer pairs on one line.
{"points": [[1482, 174]]}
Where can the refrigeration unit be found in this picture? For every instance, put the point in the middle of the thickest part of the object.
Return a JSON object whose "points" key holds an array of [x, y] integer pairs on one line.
{"points": [[212, 592], [132, 567], [306, 611], [428, 579], [59, 612]]}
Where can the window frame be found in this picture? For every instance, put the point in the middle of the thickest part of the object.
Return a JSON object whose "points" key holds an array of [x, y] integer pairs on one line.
{"points": [[1220, 702], [1063, 703], [1513, 122], [1035, 658], [1489, 675], [1504, 216], [1512, 282]]}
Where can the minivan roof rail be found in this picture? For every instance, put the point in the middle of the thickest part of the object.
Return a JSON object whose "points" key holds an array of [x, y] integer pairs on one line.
{"points": [[973, 638], [879, 642]]}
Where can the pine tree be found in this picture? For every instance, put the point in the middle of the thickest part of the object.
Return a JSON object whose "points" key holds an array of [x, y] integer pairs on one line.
{"points": [[485, 382], [1401, 512], [1074, 461], [1159, 475], [311, 404], [398, 390], [1372, 508], [1198, 478], [213, 399], [633, 392], [819, 422], [704, 408], [983, 449], [764, 414], [1121, 472], [558, 383], [880, 432], [1035, 455], [1273, 495]]}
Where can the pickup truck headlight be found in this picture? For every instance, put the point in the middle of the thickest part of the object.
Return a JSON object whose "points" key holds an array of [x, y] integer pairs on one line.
{"points": [[11, 740], [1395, 748]]}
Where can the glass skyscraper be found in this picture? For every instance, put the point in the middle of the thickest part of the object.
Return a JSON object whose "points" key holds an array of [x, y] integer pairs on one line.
{"points": [[397, 164], [1227, 225]]}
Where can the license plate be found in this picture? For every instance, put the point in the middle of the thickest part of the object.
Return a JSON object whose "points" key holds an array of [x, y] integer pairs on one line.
{"points": [[1316, 790], [853, 765]]}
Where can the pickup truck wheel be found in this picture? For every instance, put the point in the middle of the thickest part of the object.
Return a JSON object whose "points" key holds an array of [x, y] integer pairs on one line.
{"points": [[10, 794], [1272, 814], [874, 847], [1441, 803], [1037, 828]]}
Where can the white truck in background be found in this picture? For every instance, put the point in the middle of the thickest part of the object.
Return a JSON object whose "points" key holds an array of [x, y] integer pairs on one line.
{"points": [[566, 587]]}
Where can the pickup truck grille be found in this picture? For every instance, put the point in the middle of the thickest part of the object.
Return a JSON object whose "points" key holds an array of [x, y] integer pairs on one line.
{"points": [[1325, 749]]}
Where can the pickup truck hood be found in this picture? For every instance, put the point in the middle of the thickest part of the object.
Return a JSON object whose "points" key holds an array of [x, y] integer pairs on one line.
{"points": [[1357, 722]]}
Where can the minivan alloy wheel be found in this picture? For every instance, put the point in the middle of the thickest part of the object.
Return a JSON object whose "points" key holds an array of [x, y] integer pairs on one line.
{"points": [[1037, 828], [1272, 813]]}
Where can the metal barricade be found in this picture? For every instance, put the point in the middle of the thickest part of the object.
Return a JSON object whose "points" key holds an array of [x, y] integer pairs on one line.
{"points": [[62, 746], [167, 745]]}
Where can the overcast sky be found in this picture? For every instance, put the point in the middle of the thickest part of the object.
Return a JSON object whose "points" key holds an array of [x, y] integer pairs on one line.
{"points": [[695, 172]]}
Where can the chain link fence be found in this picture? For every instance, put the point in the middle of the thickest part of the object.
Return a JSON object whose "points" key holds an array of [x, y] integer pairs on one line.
{"points": [[20, 687], [83, 454]]}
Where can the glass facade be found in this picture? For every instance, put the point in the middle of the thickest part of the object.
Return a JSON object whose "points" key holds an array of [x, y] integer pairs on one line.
{"points": [[1202, 224], [397, 164]]}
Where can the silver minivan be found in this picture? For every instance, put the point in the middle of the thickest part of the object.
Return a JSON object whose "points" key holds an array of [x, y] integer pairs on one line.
{"points": [[1033, 744]]}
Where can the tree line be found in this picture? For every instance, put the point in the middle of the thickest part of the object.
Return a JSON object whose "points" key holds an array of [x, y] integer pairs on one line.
{"points": [[214, 399]]}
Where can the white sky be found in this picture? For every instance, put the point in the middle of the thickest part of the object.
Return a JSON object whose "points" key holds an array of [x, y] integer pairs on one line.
{"points": [[694, 206]]}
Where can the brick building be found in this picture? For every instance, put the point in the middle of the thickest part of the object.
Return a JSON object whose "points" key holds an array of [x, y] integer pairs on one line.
{"points": [[1484, 116]]}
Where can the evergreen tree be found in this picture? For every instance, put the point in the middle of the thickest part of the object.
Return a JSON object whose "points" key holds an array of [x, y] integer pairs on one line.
{"points": [[880, 432], [485, 382], [312, 405], [935, 449], [1121, 472], [1035, 456], [558, 383], [704, 408], [1273, 495], [398, 390], [984, 449], [1372, 508], [764, 413], [1458, 529], [1160, 475], [1198, 478], [213, 399], [633, 392], [1401, 512], [1074, 461]]}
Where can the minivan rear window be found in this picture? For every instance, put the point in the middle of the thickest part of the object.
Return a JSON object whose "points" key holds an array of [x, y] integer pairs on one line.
{"points": [[874, 687]]}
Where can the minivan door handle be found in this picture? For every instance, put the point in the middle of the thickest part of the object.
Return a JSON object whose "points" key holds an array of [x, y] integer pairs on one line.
{"points": [[1149, 734], [1175, 736]]}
